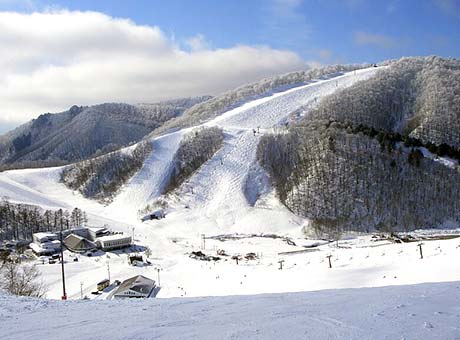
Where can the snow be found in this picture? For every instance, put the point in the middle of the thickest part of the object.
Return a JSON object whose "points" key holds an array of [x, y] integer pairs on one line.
{"points": [[45, 235], [425, 311], [229, 194], [446, 161]]}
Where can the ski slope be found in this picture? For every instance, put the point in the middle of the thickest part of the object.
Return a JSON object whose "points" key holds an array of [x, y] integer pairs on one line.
{"points": [[217, 190], [427, 311], [219, 187]]}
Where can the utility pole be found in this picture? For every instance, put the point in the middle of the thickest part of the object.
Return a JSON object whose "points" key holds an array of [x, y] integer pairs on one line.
{"points": [[203, 241], [329, 258], [420, 248], [64, 294], [108, 269], [158, 271]]}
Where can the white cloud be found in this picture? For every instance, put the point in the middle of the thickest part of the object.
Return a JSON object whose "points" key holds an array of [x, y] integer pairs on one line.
{"points": [[52, 60], [198, 43]]}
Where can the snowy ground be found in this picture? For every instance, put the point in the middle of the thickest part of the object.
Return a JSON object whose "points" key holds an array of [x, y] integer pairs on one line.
{"points": [[426, 311], [358, 262], [229, 194]]}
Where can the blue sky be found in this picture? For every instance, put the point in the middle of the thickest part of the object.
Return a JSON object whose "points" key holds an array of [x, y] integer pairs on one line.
{"points": [[57, 53], [326, 30]]}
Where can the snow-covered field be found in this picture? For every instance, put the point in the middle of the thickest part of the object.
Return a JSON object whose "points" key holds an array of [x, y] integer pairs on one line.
{"points": [[229, 194], [425, 311]]}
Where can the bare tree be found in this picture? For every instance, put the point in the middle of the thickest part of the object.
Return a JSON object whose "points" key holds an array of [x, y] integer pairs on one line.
{"points": [[20, 279]]}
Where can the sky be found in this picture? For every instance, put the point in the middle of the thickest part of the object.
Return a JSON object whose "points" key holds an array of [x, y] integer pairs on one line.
{"points": [[54, 54]]}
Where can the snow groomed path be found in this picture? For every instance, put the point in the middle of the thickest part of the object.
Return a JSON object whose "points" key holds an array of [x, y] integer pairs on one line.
{"points": [[218, 188]]}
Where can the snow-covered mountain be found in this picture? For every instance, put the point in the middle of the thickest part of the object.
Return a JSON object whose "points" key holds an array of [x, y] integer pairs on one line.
{"points": [[84, 132], [230, 192], [221, 186], [360, 160]]}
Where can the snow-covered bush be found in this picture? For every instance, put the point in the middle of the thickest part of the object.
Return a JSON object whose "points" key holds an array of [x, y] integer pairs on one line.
{"points": [[21, 279]]}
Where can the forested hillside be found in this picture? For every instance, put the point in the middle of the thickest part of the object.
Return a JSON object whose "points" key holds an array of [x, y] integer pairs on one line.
{"points": [[357, 161], [101, 177], [84, 132], [416, 97], [193, 151]]}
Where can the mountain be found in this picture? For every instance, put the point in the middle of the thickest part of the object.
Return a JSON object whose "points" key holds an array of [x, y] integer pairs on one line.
{"points": [[358, 149], [382, 154], [336, 153], [83, 132], [226, 101], [225, 183]]}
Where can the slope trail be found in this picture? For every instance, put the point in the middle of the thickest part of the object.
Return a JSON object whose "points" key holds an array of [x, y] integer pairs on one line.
{"points": [[219, 186]]}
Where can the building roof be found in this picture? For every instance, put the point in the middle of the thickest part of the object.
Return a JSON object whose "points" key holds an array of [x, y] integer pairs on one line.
{"points": [[45, 235], [98, 229], [139, 283], [114, 237], [43, 247], [76, 242]]}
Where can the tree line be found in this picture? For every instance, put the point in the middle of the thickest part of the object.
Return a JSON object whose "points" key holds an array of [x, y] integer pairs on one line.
{"points": [[21, 221]]}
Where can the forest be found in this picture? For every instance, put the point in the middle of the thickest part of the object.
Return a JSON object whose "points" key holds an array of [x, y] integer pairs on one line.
{"points": [[100, 178], [356, 161], [20, 221], [193, 151]]}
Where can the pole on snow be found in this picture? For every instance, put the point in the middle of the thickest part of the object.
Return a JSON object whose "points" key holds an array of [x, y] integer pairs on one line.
{"points": [[203, 241], [329, 258], [281, 264], [64, 294], [420, 249]]}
